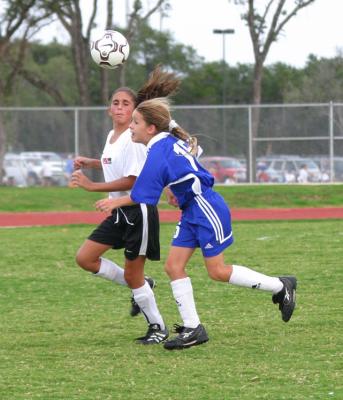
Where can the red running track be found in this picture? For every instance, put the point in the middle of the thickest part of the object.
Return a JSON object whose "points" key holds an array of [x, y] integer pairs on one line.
{"points": [[239, 214]]}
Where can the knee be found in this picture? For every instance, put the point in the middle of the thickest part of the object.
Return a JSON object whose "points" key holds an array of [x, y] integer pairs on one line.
{"points": [[82, 260], [79, 260], [217, 274], [214, 274]]}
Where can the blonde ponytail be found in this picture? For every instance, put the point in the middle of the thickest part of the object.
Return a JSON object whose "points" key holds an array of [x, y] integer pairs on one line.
{"points": [[192, 141], [157, 112]]}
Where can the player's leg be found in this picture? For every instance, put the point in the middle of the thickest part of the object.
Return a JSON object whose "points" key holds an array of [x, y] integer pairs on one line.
{"points": [[134, 272], [105, 236], [141, 238], [89, 258], [181, 284], [283, 288], [215, 234], [145, 298], [192, 332]]}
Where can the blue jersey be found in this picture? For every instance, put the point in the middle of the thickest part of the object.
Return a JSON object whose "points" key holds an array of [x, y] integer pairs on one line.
{"points": [[169, 163], [206, 219]]}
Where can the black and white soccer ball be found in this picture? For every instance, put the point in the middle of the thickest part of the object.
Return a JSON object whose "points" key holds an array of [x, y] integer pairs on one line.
{"points": [[110, 49]]}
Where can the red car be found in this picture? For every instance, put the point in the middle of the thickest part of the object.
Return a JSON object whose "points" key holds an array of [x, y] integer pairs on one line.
{"points": [[225, 169]]}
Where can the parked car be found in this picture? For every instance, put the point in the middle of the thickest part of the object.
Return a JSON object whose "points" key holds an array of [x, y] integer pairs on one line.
{"points": [[285, 169], [266, 173], [225, 169], [323, 163], [338, 169], [35, 161], [15, 170]]}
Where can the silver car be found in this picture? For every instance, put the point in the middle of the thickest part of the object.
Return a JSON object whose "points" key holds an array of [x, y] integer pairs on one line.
{"points": [[15, 171]]}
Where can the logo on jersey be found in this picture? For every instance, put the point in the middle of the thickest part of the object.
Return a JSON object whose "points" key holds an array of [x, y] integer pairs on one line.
{"points": [[107, 160]]}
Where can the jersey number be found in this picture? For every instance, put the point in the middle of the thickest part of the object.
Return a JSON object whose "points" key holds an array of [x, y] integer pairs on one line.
{"points": [[180, 149]]}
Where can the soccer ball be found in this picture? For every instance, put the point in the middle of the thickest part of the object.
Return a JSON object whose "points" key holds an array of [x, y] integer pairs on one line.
{"points": [[110, 49]]}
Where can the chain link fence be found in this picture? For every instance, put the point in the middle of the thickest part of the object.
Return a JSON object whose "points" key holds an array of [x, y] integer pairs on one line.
{"points": [[271, 143]]}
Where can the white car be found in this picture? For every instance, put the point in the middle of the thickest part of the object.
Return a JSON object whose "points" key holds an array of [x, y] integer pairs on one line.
{"points": [[323, 163], [36, 160], [281, 168], [15, 170]]}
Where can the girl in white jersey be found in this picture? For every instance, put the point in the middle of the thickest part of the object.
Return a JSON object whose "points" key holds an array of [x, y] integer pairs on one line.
{"points": [[205, 220], [136, 227]]}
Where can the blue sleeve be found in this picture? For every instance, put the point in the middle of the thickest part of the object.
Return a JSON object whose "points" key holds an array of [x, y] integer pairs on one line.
{"points": [[152, 180]]}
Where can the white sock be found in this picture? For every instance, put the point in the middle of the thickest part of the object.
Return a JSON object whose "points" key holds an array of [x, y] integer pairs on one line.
{"points": [[144, 297], [243, 276], [183, 295], [111, 271]]}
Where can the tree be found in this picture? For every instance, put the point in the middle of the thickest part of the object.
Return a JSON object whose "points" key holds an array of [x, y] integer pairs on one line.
{"points": [[19, 20], [152, 47], [265, 28], [321, 82], [136, 19], [277, 79], [209, 91], [69, 14]]}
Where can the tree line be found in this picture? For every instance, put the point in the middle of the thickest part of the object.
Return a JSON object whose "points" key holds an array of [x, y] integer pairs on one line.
{"points": [[57, 74], [63, 74], [320, 80]]}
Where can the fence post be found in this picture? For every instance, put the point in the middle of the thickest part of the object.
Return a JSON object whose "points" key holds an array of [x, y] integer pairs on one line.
{"points": [[76, 132], [331, 142], [250, 146]]}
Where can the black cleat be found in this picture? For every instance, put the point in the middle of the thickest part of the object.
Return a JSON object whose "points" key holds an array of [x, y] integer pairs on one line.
{"points": [[186, 337], [135, 310], [154, 335], [286, 297]]}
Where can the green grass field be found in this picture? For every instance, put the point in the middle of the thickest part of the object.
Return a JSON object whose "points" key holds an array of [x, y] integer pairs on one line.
{"points": [[238, 196], [67, 335]]}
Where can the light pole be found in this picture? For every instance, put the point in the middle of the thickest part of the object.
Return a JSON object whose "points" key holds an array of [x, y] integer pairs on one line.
{"points": [[224, 32]]}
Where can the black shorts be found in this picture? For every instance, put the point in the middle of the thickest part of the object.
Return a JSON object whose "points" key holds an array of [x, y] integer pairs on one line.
{"points": [[134, 228]]}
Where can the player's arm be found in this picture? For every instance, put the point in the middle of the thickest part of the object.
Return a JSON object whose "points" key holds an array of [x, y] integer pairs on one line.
{"points": [[85, 162], [78, 179], [107, 205], [152, 179], [171, 199]]}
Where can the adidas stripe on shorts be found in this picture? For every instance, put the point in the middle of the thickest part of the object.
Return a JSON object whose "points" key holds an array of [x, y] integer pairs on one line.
{"points": [[205, 223]]}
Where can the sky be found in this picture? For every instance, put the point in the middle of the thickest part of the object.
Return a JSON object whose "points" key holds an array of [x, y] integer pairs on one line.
{"points": [[317, 29]]}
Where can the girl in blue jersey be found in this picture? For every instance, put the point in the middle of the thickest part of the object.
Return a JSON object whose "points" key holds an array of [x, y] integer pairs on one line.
{"points": [[205, 220]]}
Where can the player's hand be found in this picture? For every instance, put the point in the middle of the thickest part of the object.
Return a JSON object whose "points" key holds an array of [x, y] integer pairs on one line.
{"points": [[78, 179], [105, 205], [171, 199], [82, 162]]}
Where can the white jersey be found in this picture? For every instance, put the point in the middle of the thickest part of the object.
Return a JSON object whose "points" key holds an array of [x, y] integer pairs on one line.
{"points": [[121, 159]]}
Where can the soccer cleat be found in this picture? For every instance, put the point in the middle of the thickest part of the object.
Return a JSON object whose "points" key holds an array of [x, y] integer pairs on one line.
{"points": [[135, 310], [286, 297], [186, 337], [154, 335]]}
